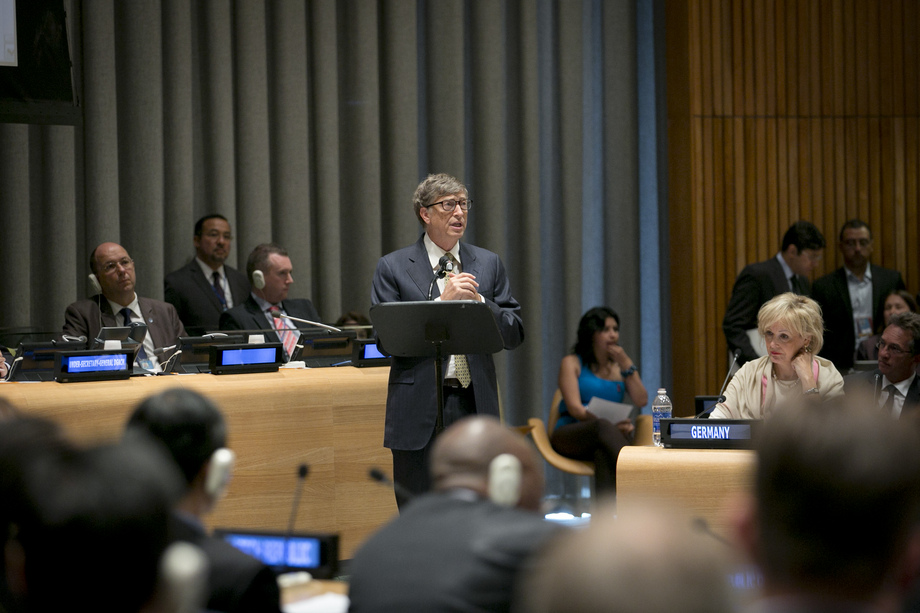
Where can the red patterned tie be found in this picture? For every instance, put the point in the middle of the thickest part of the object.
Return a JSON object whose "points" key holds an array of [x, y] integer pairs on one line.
{"points": [[288, 338]]}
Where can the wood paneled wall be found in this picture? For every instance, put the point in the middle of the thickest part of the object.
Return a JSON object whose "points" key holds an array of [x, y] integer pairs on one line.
{"points": [[782, 110]]}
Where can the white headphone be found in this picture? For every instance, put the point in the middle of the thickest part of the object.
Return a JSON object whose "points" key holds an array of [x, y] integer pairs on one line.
{"points": [[258, 279], [505, 480], [94, 283], [220, 469]]}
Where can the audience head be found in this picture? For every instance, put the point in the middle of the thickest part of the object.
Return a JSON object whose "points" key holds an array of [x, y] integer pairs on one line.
{"points": [[94, 528], [212, 240], [356, 319], [803, 247], [898, 301], [444, 228], [114, 271], [836, 503], [592, 323], [644, 560], [899, 347], [855, 244], [270, 271], [799, 314], [462, 457]]}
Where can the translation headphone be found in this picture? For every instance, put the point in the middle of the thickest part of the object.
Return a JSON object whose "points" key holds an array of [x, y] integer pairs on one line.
{"points": [[94, 283], [258, 279], [219, 471], [505, 480]]}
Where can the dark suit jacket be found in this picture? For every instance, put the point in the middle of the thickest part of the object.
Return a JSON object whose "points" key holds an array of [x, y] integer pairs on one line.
{"points": [[832, 293], [237, 582], [248, 316], [755, 285], [192, 294], [412, 407], [863, 385], [84, 318], [446, 554]]}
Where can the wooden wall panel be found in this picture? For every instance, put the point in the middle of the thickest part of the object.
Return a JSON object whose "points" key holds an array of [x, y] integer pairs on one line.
{"points": [[789, 109]]}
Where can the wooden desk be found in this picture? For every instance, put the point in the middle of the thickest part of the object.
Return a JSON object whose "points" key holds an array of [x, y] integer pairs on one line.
{"points": [[699, 482], [329, 418]]}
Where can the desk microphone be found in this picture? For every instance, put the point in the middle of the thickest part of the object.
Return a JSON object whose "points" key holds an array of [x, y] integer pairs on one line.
{"points": [[377, 475], [277, 314], [721, 398], [302, 471], [444, 266], [701, 525]]}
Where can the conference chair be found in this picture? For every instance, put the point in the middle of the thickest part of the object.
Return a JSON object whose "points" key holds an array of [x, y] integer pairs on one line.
{"points": [[539, 431], [540, 434]]}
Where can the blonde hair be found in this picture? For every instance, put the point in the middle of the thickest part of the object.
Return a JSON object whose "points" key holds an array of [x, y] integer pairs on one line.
{"points": [[800, 313]]}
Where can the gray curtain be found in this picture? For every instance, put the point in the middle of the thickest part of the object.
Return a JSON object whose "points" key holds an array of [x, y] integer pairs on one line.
{"points": [[310, 122]]}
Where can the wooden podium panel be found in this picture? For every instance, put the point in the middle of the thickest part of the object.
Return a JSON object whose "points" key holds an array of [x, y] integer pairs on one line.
{"points": [[701, 483], [329, 418]]}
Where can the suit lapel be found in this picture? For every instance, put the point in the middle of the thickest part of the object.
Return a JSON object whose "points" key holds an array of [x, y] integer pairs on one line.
{"points": [[843, 291], [419, 270], [204, 284]]}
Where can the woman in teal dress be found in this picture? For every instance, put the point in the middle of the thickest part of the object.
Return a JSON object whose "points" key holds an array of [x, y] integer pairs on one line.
{"points": [[598, 366]]}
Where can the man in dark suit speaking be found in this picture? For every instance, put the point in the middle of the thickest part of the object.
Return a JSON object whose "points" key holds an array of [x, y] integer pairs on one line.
{"points": [[206, 287], [442, 207], [117, 305], [270, 271]]}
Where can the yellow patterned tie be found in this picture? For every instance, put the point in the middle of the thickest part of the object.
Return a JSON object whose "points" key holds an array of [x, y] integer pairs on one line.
{"points": [[461, 364]]}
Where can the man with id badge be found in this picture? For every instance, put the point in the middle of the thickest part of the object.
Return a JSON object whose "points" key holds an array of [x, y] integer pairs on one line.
{"points": [[117, 305]]}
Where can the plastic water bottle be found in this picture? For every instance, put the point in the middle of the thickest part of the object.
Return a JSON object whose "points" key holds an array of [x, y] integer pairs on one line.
{"points": [[661, 408]]}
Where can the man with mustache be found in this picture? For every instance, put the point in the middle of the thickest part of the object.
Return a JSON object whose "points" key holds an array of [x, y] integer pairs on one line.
{"points": [[206, 287]]}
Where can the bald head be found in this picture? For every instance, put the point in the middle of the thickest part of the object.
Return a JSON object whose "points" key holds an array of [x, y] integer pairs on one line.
{"points": [[462, 454]]}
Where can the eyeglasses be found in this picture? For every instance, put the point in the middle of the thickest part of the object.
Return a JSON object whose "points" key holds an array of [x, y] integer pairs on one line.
{"points": [[126, 263], [893, 349], [448, 206], [215, 234]]}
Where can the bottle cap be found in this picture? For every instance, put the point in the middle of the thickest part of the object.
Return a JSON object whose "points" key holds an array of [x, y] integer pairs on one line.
{"points": [[662, 391]]}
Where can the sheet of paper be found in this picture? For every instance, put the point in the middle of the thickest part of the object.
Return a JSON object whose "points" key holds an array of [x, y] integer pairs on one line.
{"points": [[611, 411]]}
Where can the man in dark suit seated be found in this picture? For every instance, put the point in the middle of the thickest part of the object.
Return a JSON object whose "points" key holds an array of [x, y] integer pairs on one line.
{"points": [[788, 270], [852, 297], [462, 546], [206, 287], [270, 270], [193, 432], [442, 207], [894, 385], [117, 305]]}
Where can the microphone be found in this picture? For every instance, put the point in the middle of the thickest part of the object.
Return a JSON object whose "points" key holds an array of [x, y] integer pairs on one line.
{"points": [[302, 471], [277, 314], [161, 350], [721, 398], [377, 475], [702, 525], [878, 386], [444, 266]]}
